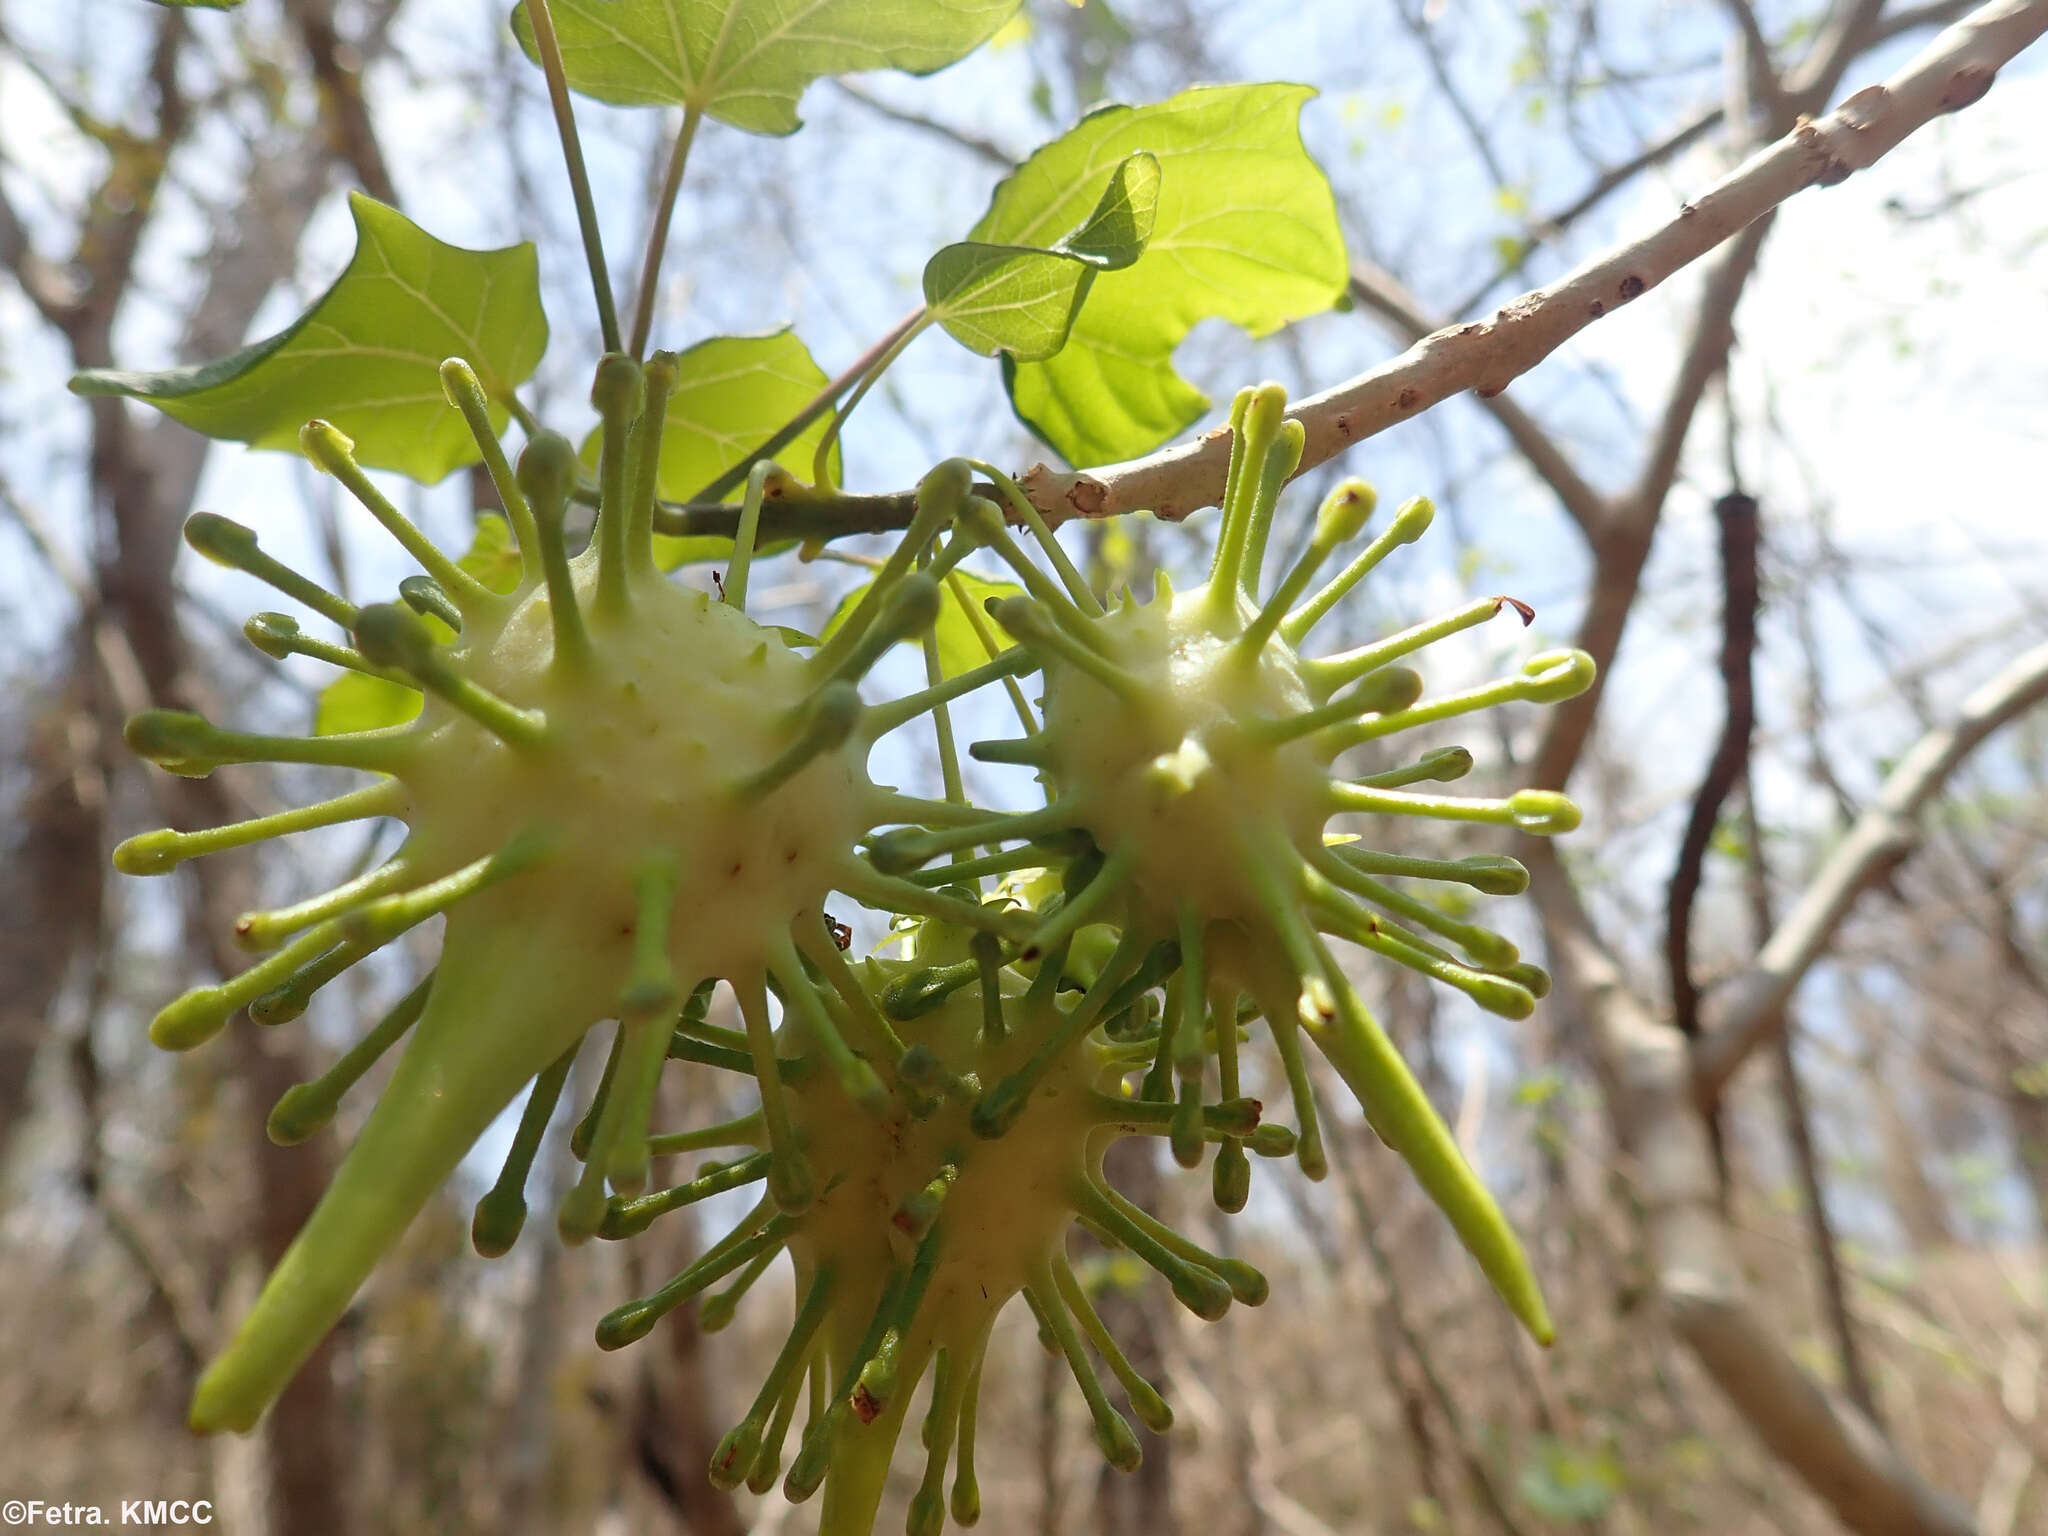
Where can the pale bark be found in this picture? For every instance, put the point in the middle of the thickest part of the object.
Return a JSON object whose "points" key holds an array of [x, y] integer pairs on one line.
{"points": [[1954, 70], [1742, 1014], [1818, 1435]]}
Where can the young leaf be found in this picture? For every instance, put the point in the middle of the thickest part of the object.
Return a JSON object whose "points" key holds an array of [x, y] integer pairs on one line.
{"points": [[960, 648], [1022, 299], [732, 393], [367, 355], [1246, 230], [493, 558], [745, 62], [356, 701], [1014, 299]]}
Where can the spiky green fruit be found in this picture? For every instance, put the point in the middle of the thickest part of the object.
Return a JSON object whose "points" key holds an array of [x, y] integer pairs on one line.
{"points": [[617, 789], [926, 1227], [1195, 746]]}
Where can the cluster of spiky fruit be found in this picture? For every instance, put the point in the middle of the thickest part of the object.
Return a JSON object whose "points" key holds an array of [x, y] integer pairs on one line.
{"points": [[623, 793]]}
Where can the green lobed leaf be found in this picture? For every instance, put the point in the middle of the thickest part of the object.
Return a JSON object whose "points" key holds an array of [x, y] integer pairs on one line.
{"points": [[1246, 231], [367, 355], [732, 394], [493, 556], [356, 701], [960, 648], [1022, 299], [745, 62]]}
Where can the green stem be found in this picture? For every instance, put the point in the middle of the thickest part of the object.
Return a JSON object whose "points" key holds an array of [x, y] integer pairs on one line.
{"points": [[942, 727], [549, 48], [741, 566], [815, 407], [657, 236], [909, 331], [521, 413]]}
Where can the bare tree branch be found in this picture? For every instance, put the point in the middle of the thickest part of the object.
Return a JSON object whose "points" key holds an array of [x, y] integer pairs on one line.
{"points": [[1743, 1013], [1850, 27], [1955, 69], [1547, 228], [54, 295], [1421, 27], [351, 139], [987, 151], [1798, 1120], [1383, 293], [1643, 1063], [1760, 83], [1736, 513]]}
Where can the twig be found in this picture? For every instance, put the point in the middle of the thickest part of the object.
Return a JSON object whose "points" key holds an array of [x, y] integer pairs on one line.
{"points": [[657, 234], [1820, 1227], [1386, 296], [351, 136], [1765, 92], [1485, 356], [1822, 1438], [1420, 27], [1548, 227], [549, 49], [1736, 514], [1624, 545], [1953, 71], [985, 150], [1742, 1015]]}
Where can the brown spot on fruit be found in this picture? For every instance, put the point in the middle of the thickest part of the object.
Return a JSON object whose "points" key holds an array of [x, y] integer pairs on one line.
{"points": [[1632, 287], [1596, 309], [1408, 398]]}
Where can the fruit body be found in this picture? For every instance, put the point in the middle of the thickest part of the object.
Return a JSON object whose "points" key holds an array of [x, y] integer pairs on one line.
{"points": [[616, 790], [623, 794]]}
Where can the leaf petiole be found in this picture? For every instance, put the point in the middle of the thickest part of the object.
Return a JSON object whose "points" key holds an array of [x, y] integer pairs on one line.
{"points": [[549, 48]]}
